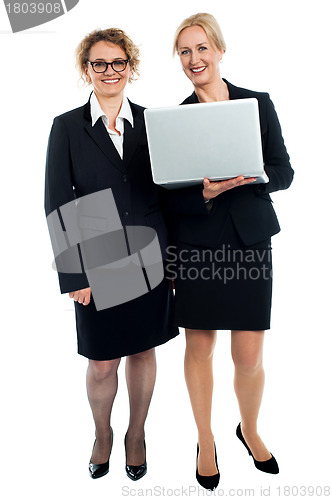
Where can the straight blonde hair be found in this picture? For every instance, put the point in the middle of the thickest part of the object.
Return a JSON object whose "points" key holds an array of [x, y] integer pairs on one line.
{"points": [[210, 26]]}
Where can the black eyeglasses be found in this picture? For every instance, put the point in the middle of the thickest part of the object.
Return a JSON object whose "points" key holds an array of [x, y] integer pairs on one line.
{"points": [[117, 65]]}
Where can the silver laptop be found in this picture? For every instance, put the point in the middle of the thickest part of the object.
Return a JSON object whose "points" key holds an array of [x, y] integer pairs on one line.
{"points": [[218, 140]]}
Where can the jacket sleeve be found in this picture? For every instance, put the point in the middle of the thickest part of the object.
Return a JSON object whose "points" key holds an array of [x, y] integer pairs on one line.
{"points": [[275, 156], [59, 190]]}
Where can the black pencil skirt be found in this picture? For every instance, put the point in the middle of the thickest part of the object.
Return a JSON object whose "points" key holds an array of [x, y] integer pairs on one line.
{"points": [[129, 328], [225, 288]]}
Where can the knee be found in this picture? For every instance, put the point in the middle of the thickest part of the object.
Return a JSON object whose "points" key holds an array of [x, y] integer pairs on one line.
{"points": [[248, 364], [142, 357], [101, 370], [200, 346]]}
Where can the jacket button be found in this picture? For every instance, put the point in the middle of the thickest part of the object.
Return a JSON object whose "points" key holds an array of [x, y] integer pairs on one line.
{"points": [[125, 178], [126, 214]]}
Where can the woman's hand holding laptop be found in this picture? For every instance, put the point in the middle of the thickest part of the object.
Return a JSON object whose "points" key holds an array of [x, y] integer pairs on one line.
{"points": [[213, 189]]}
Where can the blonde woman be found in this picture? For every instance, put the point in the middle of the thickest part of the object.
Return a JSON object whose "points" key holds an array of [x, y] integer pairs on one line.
{"points": [[236, 217], [102, 145]]}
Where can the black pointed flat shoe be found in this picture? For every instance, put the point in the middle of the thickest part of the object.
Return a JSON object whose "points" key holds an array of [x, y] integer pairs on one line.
{"points": [[208, 482], [270, 466], [136, 472], [99, 470]]}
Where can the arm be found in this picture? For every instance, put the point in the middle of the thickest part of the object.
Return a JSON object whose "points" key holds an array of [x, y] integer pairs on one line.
{"points": [[276, 158], [59, 191]]}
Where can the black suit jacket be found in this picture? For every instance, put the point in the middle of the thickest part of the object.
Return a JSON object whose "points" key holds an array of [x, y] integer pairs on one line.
{"points": [[82, 159], [249, 206]]}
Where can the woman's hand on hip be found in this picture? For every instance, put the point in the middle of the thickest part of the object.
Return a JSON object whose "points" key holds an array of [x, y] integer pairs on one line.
{"points": [[81, 296], [213, 189]]}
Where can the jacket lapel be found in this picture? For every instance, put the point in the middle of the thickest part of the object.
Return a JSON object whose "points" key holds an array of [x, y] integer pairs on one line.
{"points": [[235, 92], [100, 136], [131, 135]]}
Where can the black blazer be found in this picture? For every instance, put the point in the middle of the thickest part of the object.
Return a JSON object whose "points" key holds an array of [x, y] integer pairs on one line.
{"points": [[249, 206], [82, 159]]}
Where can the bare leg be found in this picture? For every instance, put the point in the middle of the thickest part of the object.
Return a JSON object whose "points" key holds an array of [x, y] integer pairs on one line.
{"points": [[140, 376], [102, 384], [247, 354], [199, 378]]}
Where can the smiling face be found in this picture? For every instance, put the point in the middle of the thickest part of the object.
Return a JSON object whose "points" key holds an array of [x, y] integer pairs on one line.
{"points": [[110, 83], [199, 57]]}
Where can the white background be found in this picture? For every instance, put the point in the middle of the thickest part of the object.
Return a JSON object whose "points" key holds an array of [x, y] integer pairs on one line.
{"points": [[47, 431]]}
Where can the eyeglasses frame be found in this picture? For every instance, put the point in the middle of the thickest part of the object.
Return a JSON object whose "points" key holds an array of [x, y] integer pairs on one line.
{"points": [[108, 64]]}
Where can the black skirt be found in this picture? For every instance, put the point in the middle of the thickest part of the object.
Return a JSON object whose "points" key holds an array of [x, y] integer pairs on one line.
{"points": [[225, 288], [128, 328]]}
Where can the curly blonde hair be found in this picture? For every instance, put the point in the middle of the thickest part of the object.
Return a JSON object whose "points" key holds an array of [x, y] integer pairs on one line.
{"points": [[209, 24], [113, 35]]}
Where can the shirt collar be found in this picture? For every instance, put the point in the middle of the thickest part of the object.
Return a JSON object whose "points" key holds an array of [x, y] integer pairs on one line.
{"points": [[125, 112], [97, 112]]}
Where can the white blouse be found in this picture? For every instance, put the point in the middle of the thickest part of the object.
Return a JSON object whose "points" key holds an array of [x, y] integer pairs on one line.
{"points": [[124, 114]]}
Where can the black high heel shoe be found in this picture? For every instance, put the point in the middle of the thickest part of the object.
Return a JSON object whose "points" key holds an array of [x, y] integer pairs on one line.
{"points": [[99, 470], [135, 472], [208, 482], [270, 466]]}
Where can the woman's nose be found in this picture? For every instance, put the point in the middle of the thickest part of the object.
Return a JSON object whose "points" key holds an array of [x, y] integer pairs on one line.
{"points": [[110, 71], [194, 58]]}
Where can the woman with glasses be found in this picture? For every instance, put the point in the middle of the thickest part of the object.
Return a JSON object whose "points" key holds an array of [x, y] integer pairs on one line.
{"points": [[222, 231], [98, 147]]}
